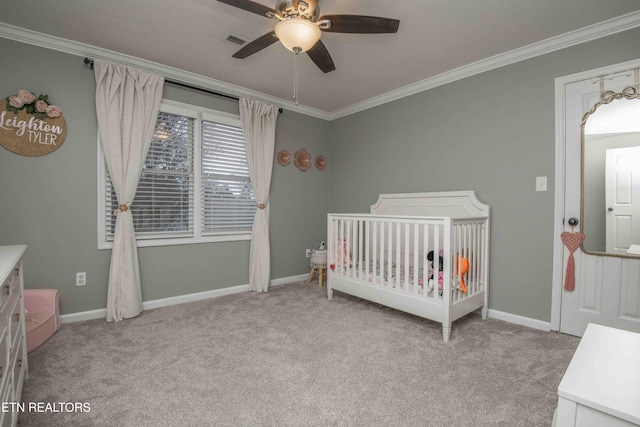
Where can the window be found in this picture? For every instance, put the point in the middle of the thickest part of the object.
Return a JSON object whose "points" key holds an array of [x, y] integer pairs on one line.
{"points": [[228, 203], [194, 186]]}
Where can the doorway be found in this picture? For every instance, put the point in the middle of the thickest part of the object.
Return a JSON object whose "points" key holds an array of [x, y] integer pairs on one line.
{"points": [[607, 288]]}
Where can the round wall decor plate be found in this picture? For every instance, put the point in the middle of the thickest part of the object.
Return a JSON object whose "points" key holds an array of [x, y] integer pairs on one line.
{"points": [[24, 134], [302, 159], [321, 162], [284, 157]]}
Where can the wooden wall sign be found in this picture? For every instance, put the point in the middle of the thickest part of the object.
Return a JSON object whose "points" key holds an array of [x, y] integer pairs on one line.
{"points": [[30, 126]]}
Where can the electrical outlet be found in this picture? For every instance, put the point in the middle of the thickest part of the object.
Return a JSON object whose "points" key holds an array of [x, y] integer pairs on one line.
{"points": [[308, 253], [81, 279]]}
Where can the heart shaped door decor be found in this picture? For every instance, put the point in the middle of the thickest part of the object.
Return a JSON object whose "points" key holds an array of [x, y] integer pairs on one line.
{"points": [[572, 241]]}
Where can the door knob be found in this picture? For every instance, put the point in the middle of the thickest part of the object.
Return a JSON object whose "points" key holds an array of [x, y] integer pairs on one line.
{"points": [[610, 209], [573, 222]]}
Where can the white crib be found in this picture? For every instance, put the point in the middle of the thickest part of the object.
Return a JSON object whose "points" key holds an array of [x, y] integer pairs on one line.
{"points": [[382, 256]]}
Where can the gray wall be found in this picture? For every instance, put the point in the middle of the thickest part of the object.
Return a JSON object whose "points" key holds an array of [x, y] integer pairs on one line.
{"points": [[492, 133], [50, 202]]}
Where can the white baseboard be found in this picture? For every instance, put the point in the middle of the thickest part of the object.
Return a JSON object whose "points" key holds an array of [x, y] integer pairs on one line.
{"points": [[180, 299], [290, 279], [520, 320], [100, 313]]}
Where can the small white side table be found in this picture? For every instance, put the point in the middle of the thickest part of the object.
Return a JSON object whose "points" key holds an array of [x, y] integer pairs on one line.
{"points": [[602, 384], [318, 264]]}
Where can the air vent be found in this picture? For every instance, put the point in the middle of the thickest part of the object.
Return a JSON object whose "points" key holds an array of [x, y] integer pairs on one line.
{"points": [[235, 39]]}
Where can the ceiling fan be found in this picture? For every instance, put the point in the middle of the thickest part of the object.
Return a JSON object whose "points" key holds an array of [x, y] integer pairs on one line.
{"points": [[299, 28]]}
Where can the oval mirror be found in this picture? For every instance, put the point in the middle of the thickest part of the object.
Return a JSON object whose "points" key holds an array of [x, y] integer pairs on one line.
{"points": [[611, 175]]}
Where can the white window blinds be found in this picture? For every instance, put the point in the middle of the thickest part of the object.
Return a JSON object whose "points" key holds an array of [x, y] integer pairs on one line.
{"points": [[228, 201], [163, 204]]}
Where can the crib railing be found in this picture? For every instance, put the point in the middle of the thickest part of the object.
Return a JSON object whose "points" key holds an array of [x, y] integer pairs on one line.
{"points": [[391, 252]]}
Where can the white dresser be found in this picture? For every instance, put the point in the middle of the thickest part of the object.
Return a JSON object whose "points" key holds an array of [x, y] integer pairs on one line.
{"points": [[13, 343], [602, 384]]}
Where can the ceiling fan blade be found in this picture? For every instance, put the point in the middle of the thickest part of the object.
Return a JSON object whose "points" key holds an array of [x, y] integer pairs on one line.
{"points": [[359, 24], [320, 56], [250, 6], [256, 45]]}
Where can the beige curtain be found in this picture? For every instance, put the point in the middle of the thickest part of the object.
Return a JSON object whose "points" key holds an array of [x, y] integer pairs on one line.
{"points": [[259, 124], [127, 104]]}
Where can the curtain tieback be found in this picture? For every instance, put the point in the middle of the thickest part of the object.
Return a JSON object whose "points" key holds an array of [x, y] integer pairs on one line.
{"points": [[121, 208], [261, 206]]}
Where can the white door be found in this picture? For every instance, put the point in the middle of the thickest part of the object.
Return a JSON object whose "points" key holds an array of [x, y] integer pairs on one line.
{"points": [[607, 289], [622, 194]]}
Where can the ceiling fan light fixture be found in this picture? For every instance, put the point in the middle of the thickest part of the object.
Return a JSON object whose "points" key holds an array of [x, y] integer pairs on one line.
{"points": [[297, 34]]}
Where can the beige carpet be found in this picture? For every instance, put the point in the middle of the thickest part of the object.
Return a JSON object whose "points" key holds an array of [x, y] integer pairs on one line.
{"points": [[292, 358]]}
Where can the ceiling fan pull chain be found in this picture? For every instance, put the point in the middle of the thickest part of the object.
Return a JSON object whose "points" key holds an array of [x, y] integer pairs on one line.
{"points": [[295, 80]]}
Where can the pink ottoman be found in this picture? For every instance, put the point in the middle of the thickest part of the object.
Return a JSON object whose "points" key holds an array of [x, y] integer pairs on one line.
{"points": [[42, 315]]}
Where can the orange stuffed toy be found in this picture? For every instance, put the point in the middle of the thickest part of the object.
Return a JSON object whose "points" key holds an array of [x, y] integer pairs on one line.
{"points": [[463, 265]]}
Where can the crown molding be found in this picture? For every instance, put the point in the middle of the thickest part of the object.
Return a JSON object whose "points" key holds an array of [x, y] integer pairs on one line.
{"points": [[586, 34], [171, 73], [583, 35]]}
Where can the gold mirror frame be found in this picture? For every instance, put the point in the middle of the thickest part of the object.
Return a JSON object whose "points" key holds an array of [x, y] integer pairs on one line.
{"points": [[630, 93]]}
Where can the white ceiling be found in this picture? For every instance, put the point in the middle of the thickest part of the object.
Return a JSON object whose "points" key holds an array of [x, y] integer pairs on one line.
{"points": [[435, 37]]}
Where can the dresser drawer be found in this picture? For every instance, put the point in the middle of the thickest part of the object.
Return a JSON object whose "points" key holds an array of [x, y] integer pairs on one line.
{"points": [[7, 418], [8, 287], [589, 417], [18, 363], [14, 278], [14, 320], [4, 356]]}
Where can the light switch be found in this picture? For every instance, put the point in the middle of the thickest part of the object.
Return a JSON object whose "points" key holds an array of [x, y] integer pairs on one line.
{"points": [[541, 183]]}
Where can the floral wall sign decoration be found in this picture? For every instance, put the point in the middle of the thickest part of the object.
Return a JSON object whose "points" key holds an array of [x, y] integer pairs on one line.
{"points": [[30, 125], [302, 159]]}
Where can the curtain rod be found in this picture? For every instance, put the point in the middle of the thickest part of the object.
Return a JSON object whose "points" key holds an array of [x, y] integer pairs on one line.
{"points": [[89, 62]]}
